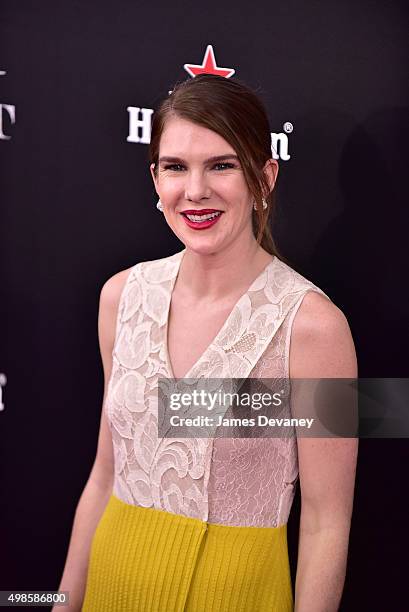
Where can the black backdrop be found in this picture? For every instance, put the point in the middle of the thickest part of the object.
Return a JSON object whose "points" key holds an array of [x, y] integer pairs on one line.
{"points": [[77, 205]]}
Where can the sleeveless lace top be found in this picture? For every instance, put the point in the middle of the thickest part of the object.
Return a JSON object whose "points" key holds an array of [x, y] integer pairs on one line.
{"points": [[229, 481]]}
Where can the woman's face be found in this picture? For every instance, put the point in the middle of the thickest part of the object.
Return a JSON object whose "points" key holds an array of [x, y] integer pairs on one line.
{"points": [[199, 172]]}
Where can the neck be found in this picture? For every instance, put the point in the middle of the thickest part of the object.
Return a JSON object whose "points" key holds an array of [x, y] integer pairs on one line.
{"points": [[222, 274]]}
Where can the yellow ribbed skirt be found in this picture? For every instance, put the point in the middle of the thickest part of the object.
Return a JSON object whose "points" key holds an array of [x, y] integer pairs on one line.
{"points": [[149, 560]]}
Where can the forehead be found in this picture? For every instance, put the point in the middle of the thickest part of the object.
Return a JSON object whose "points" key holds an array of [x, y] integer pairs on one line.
{"points": [[181, 137]]}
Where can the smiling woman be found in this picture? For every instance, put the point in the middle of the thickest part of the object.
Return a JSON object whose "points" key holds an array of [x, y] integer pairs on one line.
{"points": [[188, 177], [200, 523], [190, 138], [203, 217]]}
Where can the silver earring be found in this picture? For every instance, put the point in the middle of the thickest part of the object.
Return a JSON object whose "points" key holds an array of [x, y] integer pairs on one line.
{"points": [[264, 204], [159, 206]]}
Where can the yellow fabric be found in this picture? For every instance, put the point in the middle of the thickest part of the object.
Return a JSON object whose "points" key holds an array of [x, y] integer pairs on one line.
{"points": [[149, 560]]}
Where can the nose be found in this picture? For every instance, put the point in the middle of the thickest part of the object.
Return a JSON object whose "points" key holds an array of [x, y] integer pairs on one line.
{"points": [[196, 186]]}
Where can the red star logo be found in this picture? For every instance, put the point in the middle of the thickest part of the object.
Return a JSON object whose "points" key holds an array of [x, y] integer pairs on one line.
{"points": [[208, 66]]}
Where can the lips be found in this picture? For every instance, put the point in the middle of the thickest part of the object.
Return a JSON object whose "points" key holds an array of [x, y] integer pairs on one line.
{"points": [[202, 211], [200, 219]]}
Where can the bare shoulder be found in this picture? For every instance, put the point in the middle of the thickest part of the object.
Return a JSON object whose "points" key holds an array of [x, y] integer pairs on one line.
{"points": [[108, 308], [112, 288], [321, 341]]}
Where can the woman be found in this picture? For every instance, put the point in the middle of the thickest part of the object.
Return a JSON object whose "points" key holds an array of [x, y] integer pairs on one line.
{"points": [[199, 524]]}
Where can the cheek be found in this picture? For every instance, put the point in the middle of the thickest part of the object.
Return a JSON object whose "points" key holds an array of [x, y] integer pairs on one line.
{"points": [[170, 189], [236, 189], [239, 197]]}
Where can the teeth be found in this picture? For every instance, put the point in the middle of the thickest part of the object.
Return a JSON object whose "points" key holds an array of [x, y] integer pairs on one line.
{"points": [[199, 218]]}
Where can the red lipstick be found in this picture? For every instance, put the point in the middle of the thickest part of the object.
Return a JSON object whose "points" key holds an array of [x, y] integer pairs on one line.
{"points": [[202, 211], [205, 223]]}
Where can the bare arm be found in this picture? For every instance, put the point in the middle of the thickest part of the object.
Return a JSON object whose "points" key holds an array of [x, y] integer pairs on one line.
{"points": [[98, 488], [322, 347]]}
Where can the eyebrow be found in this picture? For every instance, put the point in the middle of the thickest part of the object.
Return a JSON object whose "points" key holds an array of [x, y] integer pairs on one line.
{"points": [[215, 158]]}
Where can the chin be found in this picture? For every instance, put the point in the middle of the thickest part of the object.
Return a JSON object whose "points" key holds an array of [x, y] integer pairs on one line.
{"points": [[202, 246]]}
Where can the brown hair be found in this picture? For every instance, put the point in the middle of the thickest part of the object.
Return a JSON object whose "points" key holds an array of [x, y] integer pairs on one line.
{"points": [[234, 111]]}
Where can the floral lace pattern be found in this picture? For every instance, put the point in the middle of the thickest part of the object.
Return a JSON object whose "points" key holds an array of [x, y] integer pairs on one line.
{"points": [[231, 481]]}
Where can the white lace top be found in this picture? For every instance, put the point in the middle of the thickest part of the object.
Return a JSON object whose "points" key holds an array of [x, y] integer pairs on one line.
{"points": [[230, 481]]}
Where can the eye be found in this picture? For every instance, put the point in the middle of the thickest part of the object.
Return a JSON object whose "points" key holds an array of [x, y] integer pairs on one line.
{"points": [[174, 167], [226, 165]]}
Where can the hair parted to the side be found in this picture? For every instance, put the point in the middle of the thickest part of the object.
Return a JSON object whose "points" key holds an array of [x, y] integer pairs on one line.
{"points": [[234, 111]]}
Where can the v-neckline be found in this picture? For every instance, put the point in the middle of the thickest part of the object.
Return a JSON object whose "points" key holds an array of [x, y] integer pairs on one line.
{"points": [[173, 280]]}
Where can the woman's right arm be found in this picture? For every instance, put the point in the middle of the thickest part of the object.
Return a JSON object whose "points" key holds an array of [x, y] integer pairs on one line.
{"points": [[98, 488]]}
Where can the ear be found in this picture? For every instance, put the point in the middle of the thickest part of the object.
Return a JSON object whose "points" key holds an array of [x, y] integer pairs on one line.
{"points": [[270, 169], [155, 181]]}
